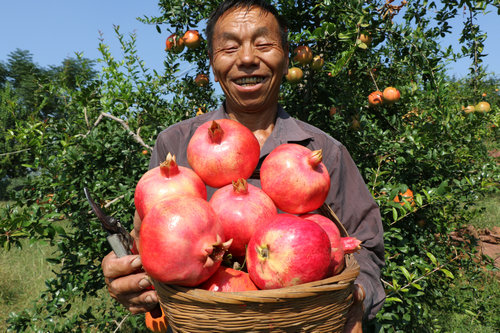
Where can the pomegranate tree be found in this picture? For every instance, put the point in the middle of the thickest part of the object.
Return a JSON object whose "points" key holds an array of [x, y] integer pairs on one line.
{"points": [[223, 150], [165, 180], [242, 209], [181, 241], [227, 279], [288, 251], [295, 178]]}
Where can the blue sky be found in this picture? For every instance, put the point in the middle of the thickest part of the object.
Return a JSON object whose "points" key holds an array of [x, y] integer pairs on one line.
{"points": [[53, 30]]}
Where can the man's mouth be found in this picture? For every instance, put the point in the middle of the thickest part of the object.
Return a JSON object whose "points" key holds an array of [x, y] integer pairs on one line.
{"points": [[249, 81]]}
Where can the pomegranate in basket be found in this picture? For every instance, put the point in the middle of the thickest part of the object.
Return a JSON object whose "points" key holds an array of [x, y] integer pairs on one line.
{"points": [[288, 251], [181, 241]]}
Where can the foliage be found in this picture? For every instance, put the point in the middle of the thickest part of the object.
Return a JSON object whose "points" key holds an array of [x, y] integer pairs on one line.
{"points": [[82, 129]]}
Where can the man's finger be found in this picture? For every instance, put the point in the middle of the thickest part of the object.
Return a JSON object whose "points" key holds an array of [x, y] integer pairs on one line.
{"points": [[140, 302], [133, 283], [113, 267]]}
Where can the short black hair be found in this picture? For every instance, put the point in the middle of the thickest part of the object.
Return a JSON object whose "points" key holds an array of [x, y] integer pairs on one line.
{"points": [[229, 4]]}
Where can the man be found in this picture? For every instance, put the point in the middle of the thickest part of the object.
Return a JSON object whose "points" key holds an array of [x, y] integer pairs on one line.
{"points": [[248, 52]]}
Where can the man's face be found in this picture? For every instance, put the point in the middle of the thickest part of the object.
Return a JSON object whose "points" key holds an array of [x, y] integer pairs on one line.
{"points": [[248, 59]]}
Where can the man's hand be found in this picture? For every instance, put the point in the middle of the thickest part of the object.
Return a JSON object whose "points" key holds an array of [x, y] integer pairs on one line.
{"points": [[355, 314], [128, 284]]}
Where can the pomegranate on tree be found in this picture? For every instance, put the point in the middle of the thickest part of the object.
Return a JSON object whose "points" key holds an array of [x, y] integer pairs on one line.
{"points": [[303, 54], [317, 63], [223, 150], [294, 75], [174, 43], [192, 39], [227, 279], [242, 209], [337, 254], [295, 178], [391, 95], [375, 98], [289, 251], [165, 180], [201, 80], [181, 241]]}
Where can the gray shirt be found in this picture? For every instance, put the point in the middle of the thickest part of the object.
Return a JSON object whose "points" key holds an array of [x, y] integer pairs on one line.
{"points": [[348, 195]]}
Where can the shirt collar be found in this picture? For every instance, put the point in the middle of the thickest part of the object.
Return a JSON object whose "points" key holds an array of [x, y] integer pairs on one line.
{"points": [[286, 129]]}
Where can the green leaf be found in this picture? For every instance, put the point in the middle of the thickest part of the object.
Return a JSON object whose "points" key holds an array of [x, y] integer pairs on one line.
{"points": [[405, 273], [447, 273], [432, 258], [394, 214], [393, 299]]}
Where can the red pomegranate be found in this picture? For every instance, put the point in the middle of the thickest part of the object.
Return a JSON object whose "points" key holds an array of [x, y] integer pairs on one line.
{"points": [[223, 150], [164, 180], [181, 241], [337, 262], [242, 208], [350, 244], [227, 279], [287, 252], [295, 178]]}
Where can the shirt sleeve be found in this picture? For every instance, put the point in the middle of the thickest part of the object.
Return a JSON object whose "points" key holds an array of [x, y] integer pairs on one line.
{"points": [[359, 213]]}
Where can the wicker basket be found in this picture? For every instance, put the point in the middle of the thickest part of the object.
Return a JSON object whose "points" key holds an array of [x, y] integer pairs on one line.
{"points": [[318, 306]]}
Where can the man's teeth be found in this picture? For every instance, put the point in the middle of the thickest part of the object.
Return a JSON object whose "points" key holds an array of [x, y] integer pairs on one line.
{"points": [[247, 81]]}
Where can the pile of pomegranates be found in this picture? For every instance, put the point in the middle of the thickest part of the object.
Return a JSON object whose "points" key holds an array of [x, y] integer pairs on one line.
{"points": [[244, 237]]}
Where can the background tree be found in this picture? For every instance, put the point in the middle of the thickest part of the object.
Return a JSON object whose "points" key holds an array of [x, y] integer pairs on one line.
{"points": [[97, 130]]}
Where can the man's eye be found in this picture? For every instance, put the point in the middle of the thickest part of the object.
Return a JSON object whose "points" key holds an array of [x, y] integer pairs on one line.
{"points": [[264, 46], [230, 49]]}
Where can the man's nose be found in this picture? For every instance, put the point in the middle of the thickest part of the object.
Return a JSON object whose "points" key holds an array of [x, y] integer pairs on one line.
{"points": [[247, 56]]}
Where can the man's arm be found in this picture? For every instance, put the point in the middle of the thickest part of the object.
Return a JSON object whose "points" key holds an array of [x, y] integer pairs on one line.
{"points": [[359, 213]]}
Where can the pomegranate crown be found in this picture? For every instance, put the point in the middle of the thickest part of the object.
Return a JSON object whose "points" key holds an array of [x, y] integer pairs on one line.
{"points": [[315, 158], [169, 167], [215, 132], [240, 186]]}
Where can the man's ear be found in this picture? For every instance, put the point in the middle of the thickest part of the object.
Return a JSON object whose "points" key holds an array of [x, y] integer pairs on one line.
{"points": [[287, 59]]}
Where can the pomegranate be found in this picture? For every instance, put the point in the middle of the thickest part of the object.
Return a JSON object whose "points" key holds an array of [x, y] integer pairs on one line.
{"points": [[483, 107], [337, 255], [181, 241], [391, 95], [287, 252], [366, 38], [350, 244], [227, 279], [192, 39], [201, 80], [375, 98], [242, 208], [295, 178], [303, 54], [317, 63], [294, 75], [164, 180], [223, 150], [174, 43]]}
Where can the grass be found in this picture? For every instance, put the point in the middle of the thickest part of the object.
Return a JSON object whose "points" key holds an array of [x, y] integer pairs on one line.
{"points": [[473, 301], [22, 277], [490, 212]]}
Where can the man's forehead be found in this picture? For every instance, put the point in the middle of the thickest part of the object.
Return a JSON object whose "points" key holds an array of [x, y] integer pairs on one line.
{"points": [[242, 14]]}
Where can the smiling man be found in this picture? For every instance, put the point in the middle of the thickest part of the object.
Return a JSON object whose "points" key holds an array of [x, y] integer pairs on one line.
{"points": [[248, 52]]}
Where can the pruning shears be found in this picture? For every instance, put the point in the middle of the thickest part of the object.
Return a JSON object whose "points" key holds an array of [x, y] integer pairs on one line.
{"points": [[118, 237]]}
